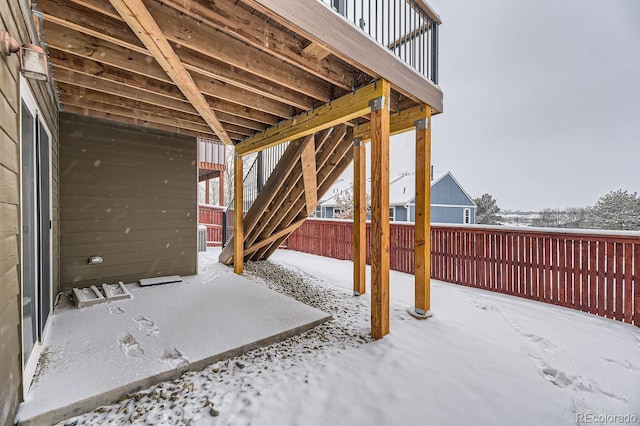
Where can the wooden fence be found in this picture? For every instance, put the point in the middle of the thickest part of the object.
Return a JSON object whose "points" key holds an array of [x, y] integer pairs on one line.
{"points": [[211, 217], [592, 271]]}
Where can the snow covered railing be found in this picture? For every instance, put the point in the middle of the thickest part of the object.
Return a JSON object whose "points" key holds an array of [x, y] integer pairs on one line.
{"points": [[596, 272]]}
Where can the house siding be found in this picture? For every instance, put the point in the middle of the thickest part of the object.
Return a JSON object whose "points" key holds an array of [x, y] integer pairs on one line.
{"points": [[445, 214], [11, 19], [401, 214], [446, 191], [128, 194]]}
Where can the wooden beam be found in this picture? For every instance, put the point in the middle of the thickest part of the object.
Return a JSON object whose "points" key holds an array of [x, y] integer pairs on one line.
{"points": [[279, 234], [142, 23], [359, 218], [380, 232], [197, 56], [400, 122], [338, 111], [422, 250], [238, 213], [308, 160]]}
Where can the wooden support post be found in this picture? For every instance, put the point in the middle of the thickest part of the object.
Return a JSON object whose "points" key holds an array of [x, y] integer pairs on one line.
{"points": [[380, 260], [308, 160], [207, 189], [422, 250], [238, 213], [359, 218]]}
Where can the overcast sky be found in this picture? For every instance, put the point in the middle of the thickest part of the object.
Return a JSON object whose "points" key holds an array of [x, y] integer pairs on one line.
{"points": [[541, 99]]}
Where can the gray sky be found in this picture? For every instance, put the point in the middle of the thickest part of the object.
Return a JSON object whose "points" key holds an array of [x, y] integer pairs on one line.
{"points": [[542, 101]]}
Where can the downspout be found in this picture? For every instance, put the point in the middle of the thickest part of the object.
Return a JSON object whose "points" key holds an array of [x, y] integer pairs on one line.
{"points": [[27, 15]]}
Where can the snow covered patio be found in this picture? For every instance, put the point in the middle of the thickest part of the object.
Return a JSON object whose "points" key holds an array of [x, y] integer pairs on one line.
{"points": [[97, 355], [483, 359]]}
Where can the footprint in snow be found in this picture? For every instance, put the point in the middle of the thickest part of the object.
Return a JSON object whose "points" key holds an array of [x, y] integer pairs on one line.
{"points": [[174, 359], [116, 310], [146, 325], [562, 380], [558, 378], [624, 364], [131, 347]]}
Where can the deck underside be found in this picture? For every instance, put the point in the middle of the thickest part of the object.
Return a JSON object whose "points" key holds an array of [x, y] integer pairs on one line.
{"points": [[250, 68]]}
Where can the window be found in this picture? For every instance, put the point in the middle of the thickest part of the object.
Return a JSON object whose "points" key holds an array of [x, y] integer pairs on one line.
{"points": [[392, 214], [467, 216], [36, 236]]}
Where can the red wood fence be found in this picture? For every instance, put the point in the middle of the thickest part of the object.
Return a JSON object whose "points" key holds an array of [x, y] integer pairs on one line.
{"points": [[596, 272], [211, 216], [593, 271]]}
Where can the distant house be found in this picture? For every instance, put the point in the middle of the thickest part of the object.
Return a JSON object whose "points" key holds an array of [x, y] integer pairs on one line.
{"points": [[450, 203], [328, 206]]}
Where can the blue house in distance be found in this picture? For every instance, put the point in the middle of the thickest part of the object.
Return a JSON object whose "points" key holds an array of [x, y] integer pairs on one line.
{"points": [[450, 203]]}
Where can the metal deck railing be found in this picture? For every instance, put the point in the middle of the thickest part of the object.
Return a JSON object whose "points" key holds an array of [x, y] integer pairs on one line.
{"points": [[407, 28]]}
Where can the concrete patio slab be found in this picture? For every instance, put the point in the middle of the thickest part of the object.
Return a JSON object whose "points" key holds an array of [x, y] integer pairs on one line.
{"points": [[96, 355]]}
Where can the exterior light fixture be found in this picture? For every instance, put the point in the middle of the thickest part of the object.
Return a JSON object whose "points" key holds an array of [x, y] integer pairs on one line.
{"points": [[33, 60]]}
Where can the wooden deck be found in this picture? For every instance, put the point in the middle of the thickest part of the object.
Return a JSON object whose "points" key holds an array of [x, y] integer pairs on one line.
{"points": [[254, 74], [243, 66]]}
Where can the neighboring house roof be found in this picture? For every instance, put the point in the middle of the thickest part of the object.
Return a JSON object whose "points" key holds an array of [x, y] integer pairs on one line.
{"points": [[443, 177], [340, 186], [402, 190]]}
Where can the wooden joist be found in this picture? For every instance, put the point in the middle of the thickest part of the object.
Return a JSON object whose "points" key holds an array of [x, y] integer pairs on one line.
{"points": [[238, 22], [132, 61], [198, 44], [142, 23], [338, 111]]}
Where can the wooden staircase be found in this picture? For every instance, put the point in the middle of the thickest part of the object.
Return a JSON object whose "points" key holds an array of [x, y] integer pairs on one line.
{"points": [[307, 169]]}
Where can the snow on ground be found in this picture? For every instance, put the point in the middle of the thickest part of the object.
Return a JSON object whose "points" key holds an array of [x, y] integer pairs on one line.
{"points": [[483, 359]]}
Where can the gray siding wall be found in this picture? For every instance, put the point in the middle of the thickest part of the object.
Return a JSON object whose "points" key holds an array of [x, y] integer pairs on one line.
{"points": [[128, 194], [401, 214], [446, 191], [440, 214], [11, 20]]}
